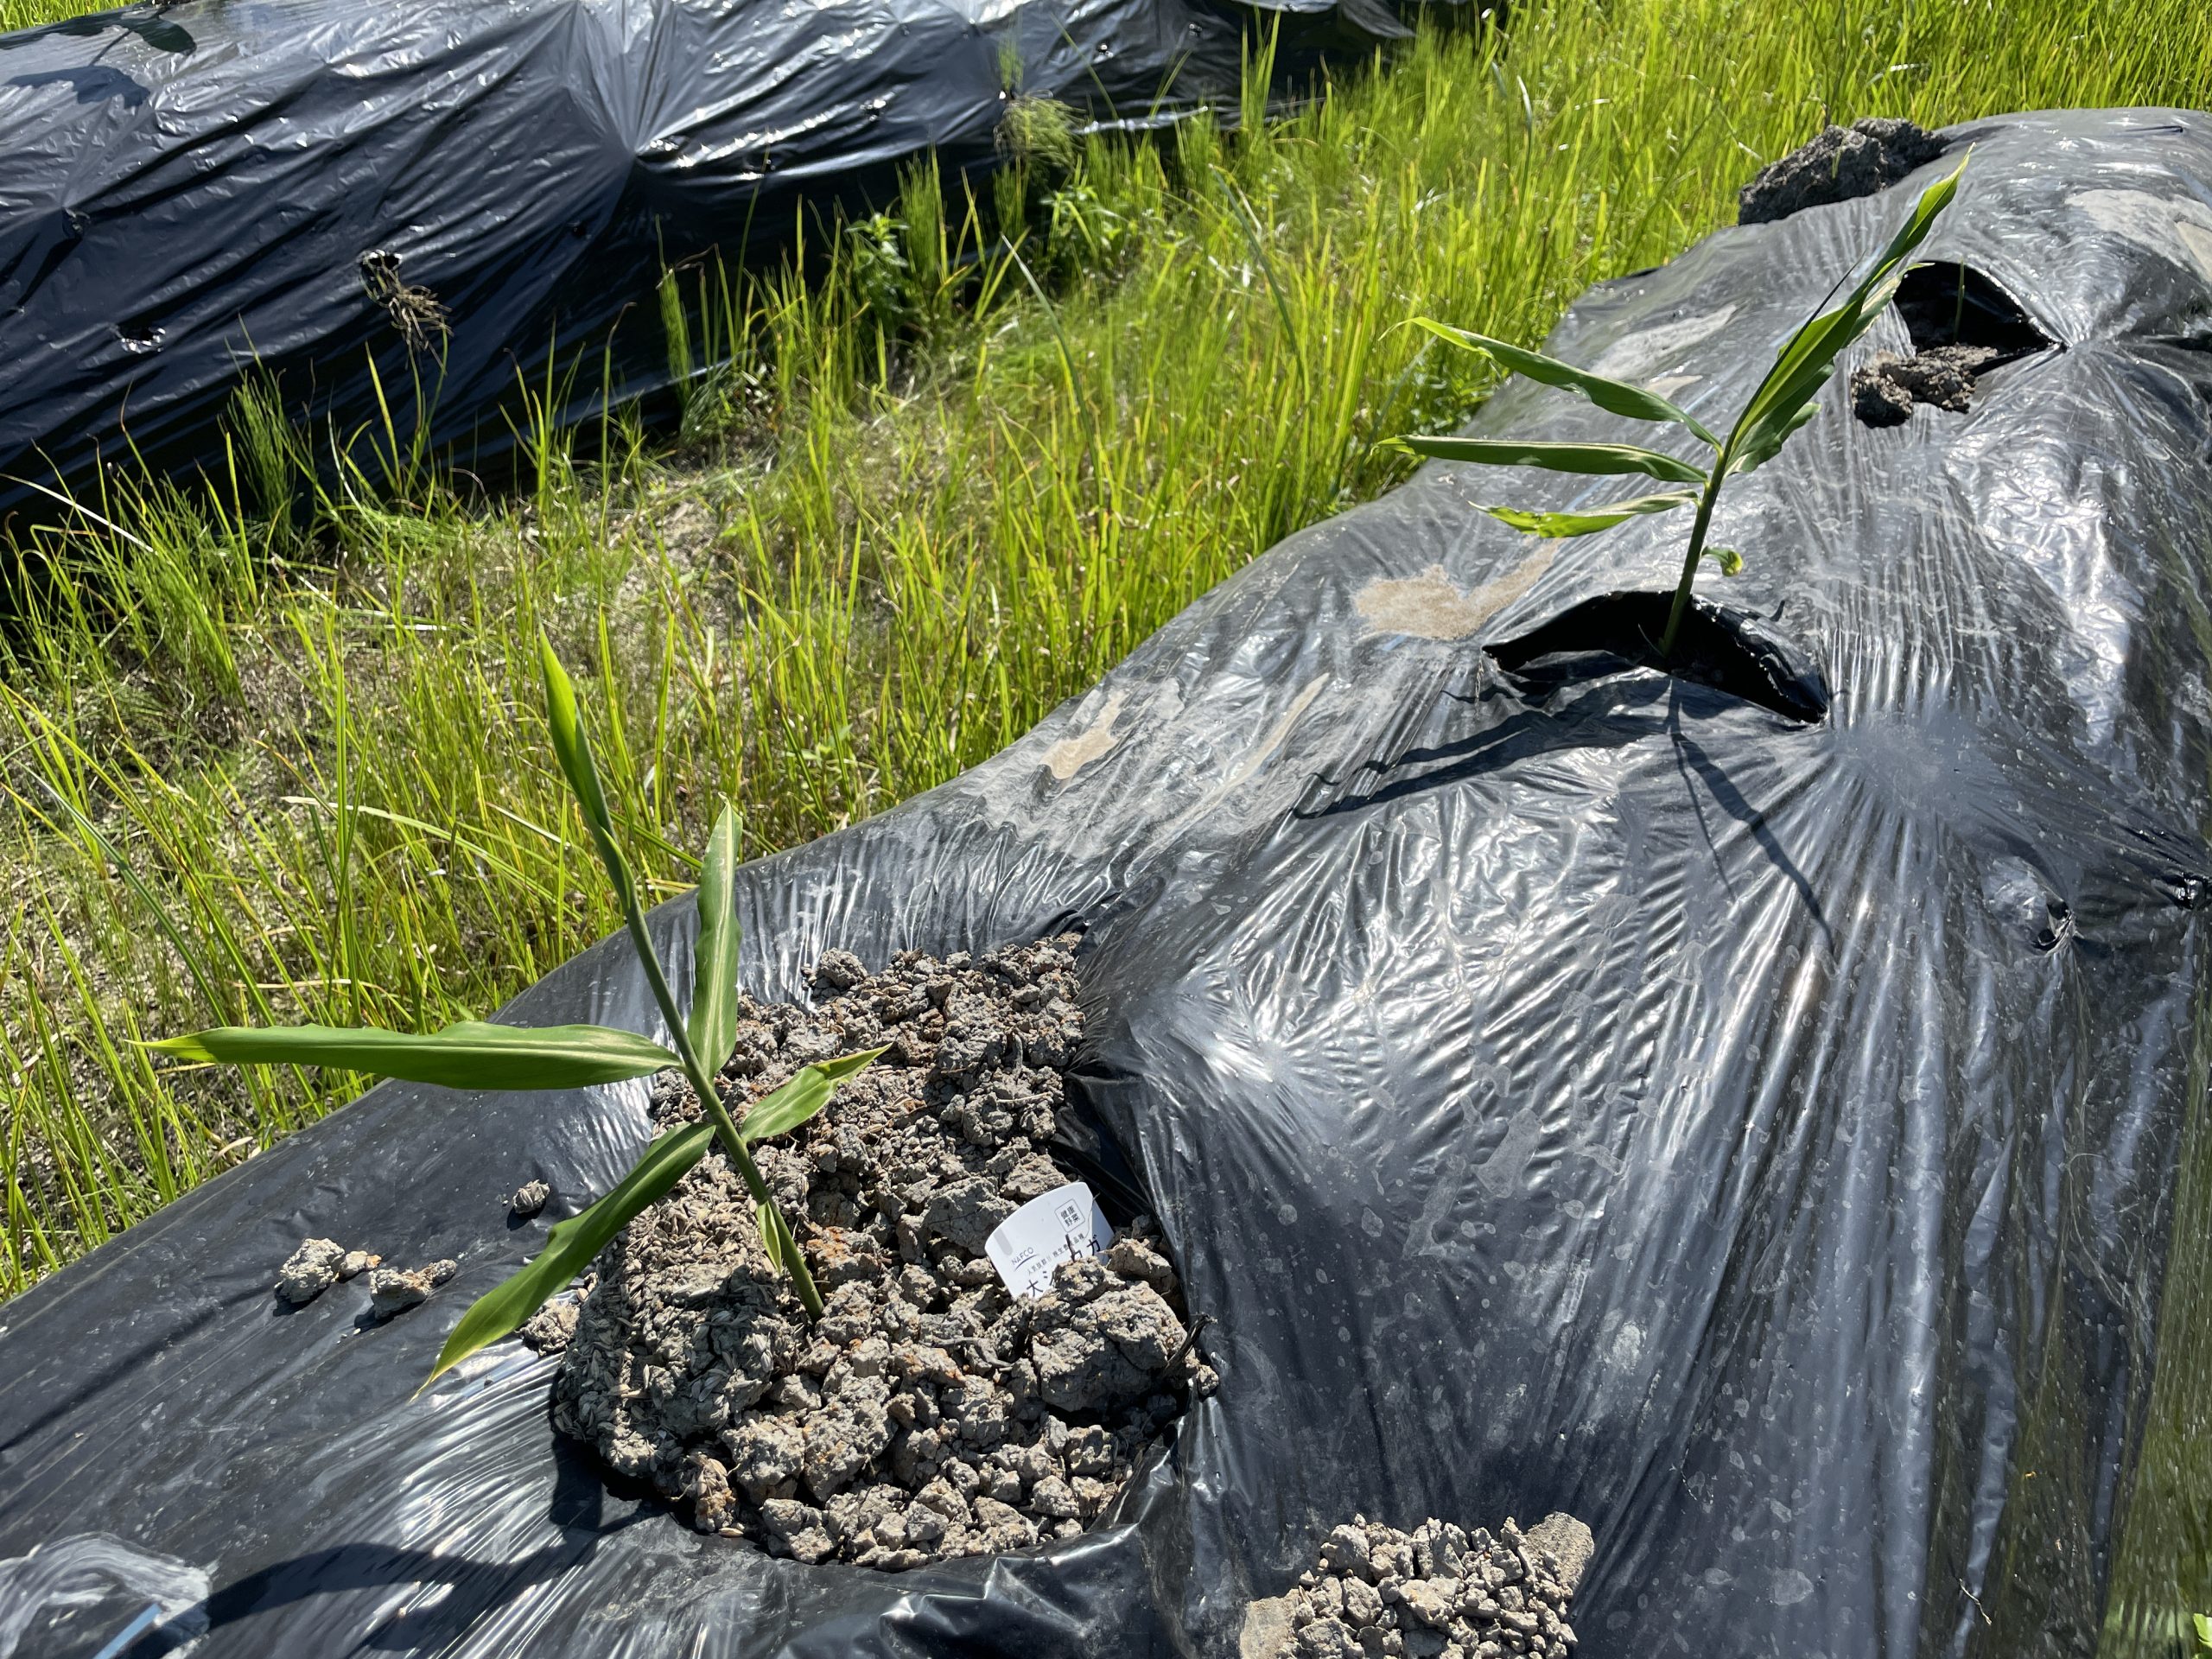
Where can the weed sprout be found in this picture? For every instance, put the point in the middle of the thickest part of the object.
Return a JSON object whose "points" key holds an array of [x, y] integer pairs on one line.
{"points": [[1785, 400], [472, 1054]]}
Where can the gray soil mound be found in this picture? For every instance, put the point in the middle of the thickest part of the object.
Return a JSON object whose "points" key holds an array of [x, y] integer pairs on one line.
{"points": [[928, 1414], [1435, 1593], [1842, 164], [1883, 390]]}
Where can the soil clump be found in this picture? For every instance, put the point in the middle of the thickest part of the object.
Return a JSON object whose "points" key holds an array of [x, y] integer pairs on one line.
{"points": [[394, 1290], [1840, 164], [1435, 1593], [929, 1413], [317, 1265], [1885, 387]]}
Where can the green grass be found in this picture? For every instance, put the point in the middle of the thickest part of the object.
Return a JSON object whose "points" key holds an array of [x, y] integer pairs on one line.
{"points": [[923, 506], [30, 14], [33, 14]]}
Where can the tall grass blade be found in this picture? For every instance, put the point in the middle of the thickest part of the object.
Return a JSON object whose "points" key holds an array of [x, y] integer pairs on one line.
{"points": [[186, 952]]}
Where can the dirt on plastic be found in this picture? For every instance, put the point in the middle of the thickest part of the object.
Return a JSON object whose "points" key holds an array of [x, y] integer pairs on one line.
{"points": [[929, 1413]]}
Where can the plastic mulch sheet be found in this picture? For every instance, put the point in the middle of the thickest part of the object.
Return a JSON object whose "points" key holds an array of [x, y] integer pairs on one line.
{"points": [[190, 191]]}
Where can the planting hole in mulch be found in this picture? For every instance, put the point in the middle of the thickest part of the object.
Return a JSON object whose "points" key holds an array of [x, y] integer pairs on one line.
{"points": [[1949, 303], [1718, 647], [1962, 325], [930, 1414]]}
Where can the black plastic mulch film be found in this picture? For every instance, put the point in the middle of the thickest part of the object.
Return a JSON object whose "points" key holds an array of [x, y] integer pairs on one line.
{"points": [[1570, 1089], [188, 191]]}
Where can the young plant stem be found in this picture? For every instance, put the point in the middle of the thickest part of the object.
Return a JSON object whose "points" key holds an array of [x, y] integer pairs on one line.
{"points": [[703, 1085], [1690, 560]]}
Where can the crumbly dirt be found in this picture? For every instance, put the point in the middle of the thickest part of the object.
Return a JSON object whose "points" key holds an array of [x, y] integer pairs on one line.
{"points": [[317, 1265], [394, 1290], [1841, 164], [1435, 1593], [928, 1414], [309, 1270], [529, 1197], [1886, 386]]}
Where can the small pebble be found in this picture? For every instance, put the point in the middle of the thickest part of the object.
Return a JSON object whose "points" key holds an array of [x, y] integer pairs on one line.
{"points": [[309, 1270], [529, 1197], [394, 1290]]}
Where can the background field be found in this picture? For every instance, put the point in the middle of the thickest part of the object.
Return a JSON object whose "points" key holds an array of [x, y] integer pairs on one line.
{"points": [[938, 489]]}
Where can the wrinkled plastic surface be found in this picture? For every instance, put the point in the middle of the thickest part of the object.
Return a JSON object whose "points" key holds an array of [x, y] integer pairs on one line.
{"points": [[1573, 1091], [187, 189]]}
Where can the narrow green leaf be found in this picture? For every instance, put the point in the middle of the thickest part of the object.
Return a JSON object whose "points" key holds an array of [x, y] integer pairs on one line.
{"points": [[1767, 442], [1925, 212], [1582, 524], [571, 1245], [2203, 1631], [572, 747], [807, 1093], [1614, 397], [1559, 457], [1785, 398], [1730, 561], [713, 1020], [1791, 396], [1805, 358], [468, 1054], [770, 1220]]}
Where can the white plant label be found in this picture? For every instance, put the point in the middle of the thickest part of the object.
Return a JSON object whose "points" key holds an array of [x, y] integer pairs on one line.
{"points": [[1063, 1225]]}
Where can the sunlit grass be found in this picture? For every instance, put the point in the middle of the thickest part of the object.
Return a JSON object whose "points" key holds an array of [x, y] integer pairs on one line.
{"points": [[30, 14]]}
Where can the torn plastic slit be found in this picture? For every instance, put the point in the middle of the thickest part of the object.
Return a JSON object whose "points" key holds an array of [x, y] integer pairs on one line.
{"points": [[1719, 646], [1951, 303], [2059, 926], [1962, 325]]}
